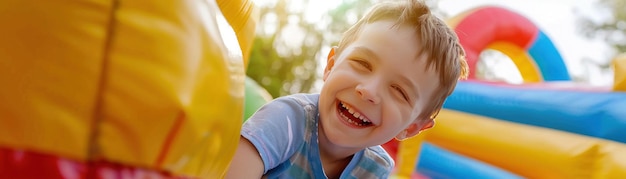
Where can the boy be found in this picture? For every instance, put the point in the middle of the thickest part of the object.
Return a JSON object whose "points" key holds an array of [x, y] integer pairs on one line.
{"points": [[388, 77]]}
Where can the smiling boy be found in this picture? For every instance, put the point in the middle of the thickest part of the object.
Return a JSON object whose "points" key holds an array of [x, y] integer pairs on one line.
{"points": [[387, 78]]}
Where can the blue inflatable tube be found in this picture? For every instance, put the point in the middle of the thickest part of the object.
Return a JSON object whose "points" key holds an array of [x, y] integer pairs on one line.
{"points": [[437, 163], [596, 114]]}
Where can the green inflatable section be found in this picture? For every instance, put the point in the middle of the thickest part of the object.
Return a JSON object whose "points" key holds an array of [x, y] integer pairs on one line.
{"points": [[255, 97]]}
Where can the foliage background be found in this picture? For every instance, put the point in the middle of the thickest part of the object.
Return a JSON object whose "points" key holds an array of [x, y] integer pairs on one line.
{"points": [[290, 44], [612, 29]]}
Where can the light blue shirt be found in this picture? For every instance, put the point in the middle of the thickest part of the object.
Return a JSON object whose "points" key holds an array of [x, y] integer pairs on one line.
{"points": [[284, 132]]}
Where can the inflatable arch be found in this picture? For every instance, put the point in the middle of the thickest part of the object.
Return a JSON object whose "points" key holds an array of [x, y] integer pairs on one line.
{"points": [[497, 28]]}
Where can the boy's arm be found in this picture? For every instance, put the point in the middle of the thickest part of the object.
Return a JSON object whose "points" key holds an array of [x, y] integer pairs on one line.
{"points": [[267, 138], [247, 162]]}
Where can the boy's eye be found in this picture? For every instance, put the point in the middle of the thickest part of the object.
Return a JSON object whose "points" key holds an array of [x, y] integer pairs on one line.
{"points": [[363, 63], [399, 90]]}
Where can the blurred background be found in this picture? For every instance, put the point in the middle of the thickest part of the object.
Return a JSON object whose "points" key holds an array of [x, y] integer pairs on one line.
{"points": [[83, 78], [294, 36], [550, 129]]}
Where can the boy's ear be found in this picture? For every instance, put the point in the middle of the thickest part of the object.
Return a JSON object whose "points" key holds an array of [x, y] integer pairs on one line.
{"points": [[330, 62], [415, 128]]}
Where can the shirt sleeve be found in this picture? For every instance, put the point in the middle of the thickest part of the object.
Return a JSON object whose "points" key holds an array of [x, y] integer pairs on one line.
{"points": [[276, 130]]}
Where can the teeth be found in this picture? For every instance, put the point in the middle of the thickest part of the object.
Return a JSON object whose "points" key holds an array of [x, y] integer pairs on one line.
{"points": [[355, 114], [351, 121]]}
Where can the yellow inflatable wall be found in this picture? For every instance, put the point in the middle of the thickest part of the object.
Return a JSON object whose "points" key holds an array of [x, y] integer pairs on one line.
{"points": [[529, 151], [242, 16], [142, 83], [619, 67], [408, 156]]}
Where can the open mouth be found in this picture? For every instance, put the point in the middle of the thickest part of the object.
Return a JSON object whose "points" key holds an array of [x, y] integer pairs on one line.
{"points": [[353, 117]]}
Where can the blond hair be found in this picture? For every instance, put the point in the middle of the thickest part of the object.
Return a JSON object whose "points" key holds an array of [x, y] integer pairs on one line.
{"points": [[439, 44]]}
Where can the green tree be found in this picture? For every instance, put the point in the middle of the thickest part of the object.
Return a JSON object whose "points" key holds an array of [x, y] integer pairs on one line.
{"points": [[277, 60], [288, 45], [612, 29]]}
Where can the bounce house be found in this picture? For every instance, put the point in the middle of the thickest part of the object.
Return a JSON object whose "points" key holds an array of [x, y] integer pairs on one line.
{"points": [[122, 89], [547, 127], [137, 89]]}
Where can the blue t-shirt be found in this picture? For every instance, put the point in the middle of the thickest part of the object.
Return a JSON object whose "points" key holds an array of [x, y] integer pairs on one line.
{"points": [[284, 132]]}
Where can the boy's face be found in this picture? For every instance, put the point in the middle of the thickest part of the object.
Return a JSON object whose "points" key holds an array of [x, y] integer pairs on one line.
{"points": [[376, 88]]}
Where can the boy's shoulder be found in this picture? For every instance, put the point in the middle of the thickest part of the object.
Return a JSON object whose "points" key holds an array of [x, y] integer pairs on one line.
{"points": [[303, 98], [373, 163], [379, 156]]}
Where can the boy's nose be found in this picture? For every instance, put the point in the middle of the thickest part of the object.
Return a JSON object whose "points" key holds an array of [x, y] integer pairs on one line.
{"points": [[368, 93]]}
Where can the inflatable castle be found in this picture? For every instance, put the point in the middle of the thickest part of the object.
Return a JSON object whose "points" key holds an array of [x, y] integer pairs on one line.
{"points": [[138, 89]]}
